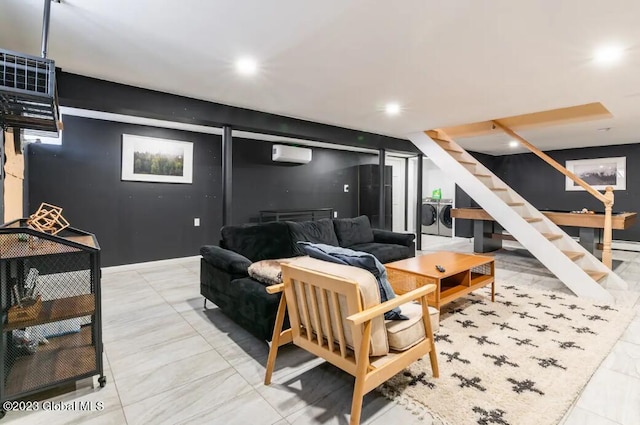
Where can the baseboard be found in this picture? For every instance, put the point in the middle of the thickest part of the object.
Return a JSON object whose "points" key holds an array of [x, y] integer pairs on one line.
{"points": [[127, 267], [626, 245]]}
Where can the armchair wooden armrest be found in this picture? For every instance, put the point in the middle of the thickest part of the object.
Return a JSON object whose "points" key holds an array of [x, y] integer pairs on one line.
{"points": [[275, 289], [380, 309]]}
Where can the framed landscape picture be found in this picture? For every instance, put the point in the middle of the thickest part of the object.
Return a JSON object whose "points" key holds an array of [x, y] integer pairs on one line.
{"points": [[148, 159], [599, 173]]}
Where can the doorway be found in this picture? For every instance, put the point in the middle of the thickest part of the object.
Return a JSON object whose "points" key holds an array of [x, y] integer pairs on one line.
{"points": [[398, 193]]}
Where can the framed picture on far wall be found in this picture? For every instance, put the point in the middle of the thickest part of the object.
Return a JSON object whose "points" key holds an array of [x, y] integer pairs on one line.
{"points": [[148, 159], [599, 173]]}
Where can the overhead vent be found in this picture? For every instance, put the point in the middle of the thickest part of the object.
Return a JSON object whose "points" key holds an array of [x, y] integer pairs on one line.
{"points": [[28, 98], [27, 92], [293, 154]]}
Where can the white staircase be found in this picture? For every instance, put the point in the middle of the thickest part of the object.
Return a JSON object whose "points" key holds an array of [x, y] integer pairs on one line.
{"points": [[577, 268]]}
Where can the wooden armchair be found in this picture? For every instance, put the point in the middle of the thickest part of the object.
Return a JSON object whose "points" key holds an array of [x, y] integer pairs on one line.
{"points": [[335, 313]]}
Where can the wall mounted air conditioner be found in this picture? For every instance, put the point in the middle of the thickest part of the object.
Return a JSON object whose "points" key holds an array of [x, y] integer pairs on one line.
{"points": [[284, 153]]}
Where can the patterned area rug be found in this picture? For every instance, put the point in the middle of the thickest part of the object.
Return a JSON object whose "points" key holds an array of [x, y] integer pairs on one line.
{"points": [[521, 360]]}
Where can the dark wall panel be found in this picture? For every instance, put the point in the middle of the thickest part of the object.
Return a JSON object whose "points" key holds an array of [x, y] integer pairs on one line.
{"points": [[464, 228], [261, 184], [133, 221], [544, 187]]}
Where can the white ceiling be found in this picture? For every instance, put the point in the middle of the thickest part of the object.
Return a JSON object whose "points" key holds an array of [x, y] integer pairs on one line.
{"points": [[339, 62]]}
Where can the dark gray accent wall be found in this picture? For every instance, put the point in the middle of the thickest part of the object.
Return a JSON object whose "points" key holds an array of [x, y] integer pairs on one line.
{"points": [[544, 187], [464, 228], [261, 184], [133, 221], [142, 221]]}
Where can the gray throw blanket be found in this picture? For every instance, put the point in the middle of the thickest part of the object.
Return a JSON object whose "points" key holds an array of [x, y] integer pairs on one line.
{"points": [[363, 260]]}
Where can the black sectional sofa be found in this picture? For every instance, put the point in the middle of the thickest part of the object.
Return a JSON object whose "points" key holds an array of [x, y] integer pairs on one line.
{"points": [[224, 279]]}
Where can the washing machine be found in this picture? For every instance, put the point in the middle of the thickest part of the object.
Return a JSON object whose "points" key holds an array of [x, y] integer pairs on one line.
{"points": [[430, 216], [445, 222]]}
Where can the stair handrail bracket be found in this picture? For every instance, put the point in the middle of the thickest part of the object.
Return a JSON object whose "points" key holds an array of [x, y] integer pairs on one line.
{"points": [[607, 198]]}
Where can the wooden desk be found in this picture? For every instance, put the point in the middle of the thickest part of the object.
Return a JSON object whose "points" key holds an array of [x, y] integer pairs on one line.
{"points": [[488, 234], [463, 274]]}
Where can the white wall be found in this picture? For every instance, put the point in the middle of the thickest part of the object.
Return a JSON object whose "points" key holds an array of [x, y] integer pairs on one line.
{"points": [[434, 178]]}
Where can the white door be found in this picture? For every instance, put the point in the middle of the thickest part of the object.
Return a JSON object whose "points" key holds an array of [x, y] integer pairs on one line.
{"points": [[398, 202], [413, 195]]}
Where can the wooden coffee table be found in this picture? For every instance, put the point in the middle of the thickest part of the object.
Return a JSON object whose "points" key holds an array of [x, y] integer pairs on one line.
{"points": [[463, 274]]}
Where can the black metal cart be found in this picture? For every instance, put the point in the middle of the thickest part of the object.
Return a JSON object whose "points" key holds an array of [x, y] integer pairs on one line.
{"points": [[51, 327]]}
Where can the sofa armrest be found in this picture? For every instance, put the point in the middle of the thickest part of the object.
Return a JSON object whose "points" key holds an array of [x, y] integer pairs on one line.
{"points": [[385, 236], [226, 260]]}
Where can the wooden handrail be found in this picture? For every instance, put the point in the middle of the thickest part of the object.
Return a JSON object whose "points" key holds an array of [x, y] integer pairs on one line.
{"points": [[607, 199], [546, 158]]}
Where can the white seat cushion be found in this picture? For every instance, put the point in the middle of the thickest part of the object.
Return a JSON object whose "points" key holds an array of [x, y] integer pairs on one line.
{"points": [[404, 334]]}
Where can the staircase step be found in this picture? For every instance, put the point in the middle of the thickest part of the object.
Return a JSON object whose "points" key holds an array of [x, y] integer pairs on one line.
{"points": [[482, 175], [515, 204], [453, 150], [468, 162], [532, 219], [509, 237], [498, 189], [440, 140], [596, 275], [573, 255]]}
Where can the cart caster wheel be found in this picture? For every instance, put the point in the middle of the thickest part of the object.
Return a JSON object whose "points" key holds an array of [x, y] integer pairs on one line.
{"points": [[102, 381]]}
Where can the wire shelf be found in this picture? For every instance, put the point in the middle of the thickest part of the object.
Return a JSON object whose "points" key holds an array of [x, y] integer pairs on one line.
{"points": [[27, 92]]}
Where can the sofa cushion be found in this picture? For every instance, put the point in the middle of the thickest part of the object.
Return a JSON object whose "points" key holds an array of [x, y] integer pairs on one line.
{"points": [[320, 231], [352, 231], [385, 253], [257, 242], [385, 236]]}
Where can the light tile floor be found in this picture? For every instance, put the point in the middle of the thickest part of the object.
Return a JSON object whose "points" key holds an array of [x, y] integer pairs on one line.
{"points": [[169, 361]]}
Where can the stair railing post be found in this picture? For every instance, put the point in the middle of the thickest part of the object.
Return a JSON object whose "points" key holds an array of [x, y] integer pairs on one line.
{"points": [[608, 236]]}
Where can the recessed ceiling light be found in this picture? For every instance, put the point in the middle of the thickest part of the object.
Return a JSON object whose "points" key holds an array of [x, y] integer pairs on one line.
{"points": [[392, 108], [608, 54], [247, 66], [514, 144]]}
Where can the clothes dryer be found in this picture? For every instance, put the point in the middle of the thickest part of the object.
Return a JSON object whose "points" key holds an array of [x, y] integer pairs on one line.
{"points": [[445, 222], [430, 216]]}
